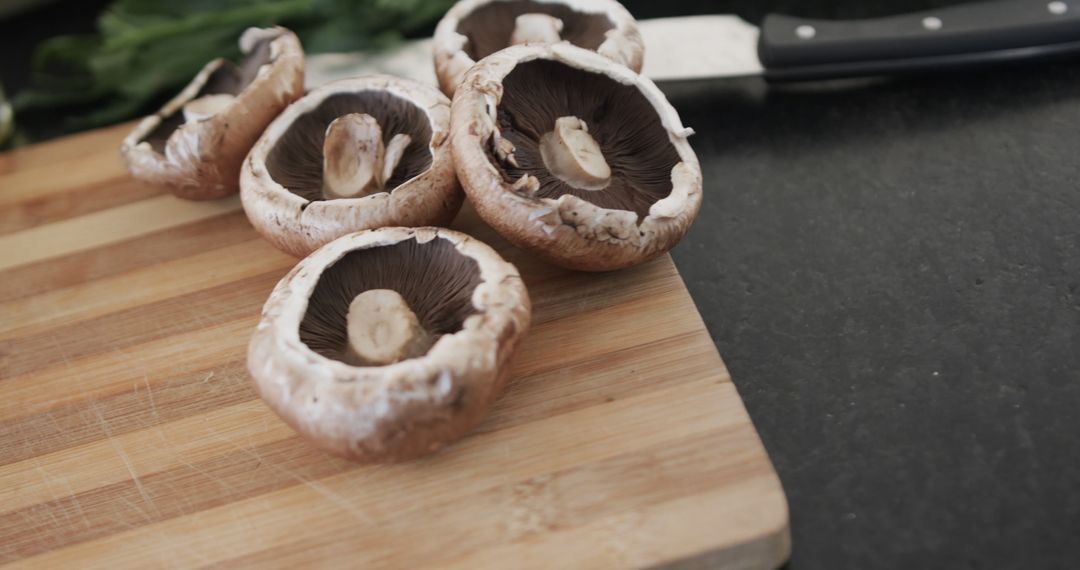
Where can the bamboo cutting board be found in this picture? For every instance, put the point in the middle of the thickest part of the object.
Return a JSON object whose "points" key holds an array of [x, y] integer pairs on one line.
{"points": [[130, 435]]}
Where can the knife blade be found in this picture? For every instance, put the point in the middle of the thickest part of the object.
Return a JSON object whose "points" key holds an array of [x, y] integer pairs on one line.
{"points": [[787, 48]]}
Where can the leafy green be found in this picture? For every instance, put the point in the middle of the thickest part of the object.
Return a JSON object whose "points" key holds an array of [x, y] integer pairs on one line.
{"points": [[146, 50]]}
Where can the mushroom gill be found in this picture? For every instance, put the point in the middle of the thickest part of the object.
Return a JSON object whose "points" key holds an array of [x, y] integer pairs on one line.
{"points": [[298, 160], [433, 278], [492, 26], [226, 81], [549, 105]]}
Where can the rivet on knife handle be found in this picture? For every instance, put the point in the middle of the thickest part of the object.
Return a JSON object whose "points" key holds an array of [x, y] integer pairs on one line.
{"points": [[970, 34]]}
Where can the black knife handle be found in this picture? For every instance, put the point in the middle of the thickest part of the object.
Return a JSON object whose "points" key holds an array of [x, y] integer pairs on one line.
{"points": [[985, 32]]}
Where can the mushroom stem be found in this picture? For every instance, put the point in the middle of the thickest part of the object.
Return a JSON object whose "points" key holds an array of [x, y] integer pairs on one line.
{"points": [[383, 329], [536, 28], [394, 151], [206, 106], [352, 157], [355, 161], [572, 155]]}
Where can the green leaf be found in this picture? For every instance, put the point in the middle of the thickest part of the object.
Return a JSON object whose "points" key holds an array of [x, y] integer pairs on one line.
{"points": [[146, 50]]}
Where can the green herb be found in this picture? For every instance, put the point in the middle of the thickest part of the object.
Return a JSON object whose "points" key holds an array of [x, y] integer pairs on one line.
{"points": [[146, 50]]}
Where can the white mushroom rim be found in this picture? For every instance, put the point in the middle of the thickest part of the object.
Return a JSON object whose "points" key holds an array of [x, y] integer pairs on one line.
{"points": [[261, 48], [498, 302], [603, 26], [485, 88], [429, 102]]}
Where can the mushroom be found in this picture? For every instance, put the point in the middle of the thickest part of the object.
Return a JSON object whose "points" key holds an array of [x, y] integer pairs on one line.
{"points": [[352, 155], [573, 157], [197, 142], [388, 344], [475, 29]]}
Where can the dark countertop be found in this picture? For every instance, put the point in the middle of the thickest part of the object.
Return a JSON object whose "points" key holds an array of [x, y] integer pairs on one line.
{"points": [[892, 273]]}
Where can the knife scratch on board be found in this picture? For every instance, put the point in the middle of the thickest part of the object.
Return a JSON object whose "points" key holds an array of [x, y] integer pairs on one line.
{"points": [[153, 405], [50, 479], [122, 454], [336, 499]]}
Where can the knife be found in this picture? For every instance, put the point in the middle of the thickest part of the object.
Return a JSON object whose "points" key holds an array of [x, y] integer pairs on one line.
{"points": [[787, 48]]}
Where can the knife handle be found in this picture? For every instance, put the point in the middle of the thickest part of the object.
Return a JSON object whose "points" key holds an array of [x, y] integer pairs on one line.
{"points": [[984, 32]]}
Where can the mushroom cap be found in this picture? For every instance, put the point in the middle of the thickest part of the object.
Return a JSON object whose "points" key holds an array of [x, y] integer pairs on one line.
{"points": [[200, 160], [281, 182], [462, 289], [518, 93], [474, 29]]}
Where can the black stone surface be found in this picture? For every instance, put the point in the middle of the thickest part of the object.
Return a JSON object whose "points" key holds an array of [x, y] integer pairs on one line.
{"points": [[891, 271]]}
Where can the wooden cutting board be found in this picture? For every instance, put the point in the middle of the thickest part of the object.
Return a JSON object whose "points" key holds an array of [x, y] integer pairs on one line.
{"points": [[130, 435]]}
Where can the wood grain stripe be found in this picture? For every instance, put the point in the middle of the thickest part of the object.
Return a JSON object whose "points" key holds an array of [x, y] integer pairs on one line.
{"points": [[218, 480], [113, 372], [55, 155], [63, 307], [620, 325], [240, 300], [27, 442], [55, 469], [109, 226], [85, 267], [559, 383], [130, 456], [644, 538], [566, 386], [47, 181], [139, 405], [38, 210], [362, 497], [532, 508], [159, 246], [122, 330], [59, 307]]}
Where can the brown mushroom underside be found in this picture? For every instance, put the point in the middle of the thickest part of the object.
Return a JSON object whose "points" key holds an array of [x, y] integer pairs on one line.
{"points": [[296, 161], [399, 397], [489, 27], [229, 79], [621, 120], [434, 278]]}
